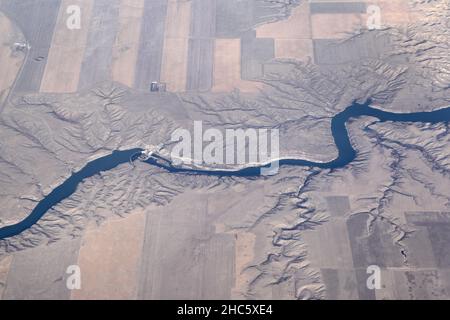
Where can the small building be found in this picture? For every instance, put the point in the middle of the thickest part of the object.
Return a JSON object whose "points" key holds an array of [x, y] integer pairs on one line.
{"points": [[158, 87], [154, 87]]}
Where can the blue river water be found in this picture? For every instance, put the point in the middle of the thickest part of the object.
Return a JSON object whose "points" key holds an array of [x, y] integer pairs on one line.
{"points": [[346, 154]]}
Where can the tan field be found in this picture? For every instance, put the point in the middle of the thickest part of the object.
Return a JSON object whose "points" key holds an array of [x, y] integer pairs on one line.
{"points": [[66, 54], [109, 259], [126, 48], [335, 26], [174, 64], [227, 67], [395, 12], [176, 44]]}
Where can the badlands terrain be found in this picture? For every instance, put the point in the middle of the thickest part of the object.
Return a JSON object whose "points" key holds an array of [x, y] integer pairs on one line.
{"points": [[139, 231]]}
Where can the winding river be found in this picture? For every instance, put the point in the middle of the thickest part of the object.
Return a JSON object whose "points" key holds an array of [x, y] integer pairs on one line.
{"points": [[340, 134]]}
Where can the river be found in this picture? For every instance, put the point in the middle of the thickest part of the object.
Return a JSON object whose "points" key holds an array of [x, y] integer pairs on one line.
{"points": [[346, 154]]}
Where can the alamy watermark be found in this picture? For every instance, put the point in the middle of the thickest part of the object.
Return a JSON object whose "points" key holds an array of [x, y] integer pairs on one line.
{"points": [[73, 281], [73, 22], [374, 280], [374, 17], [243, 147]]}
